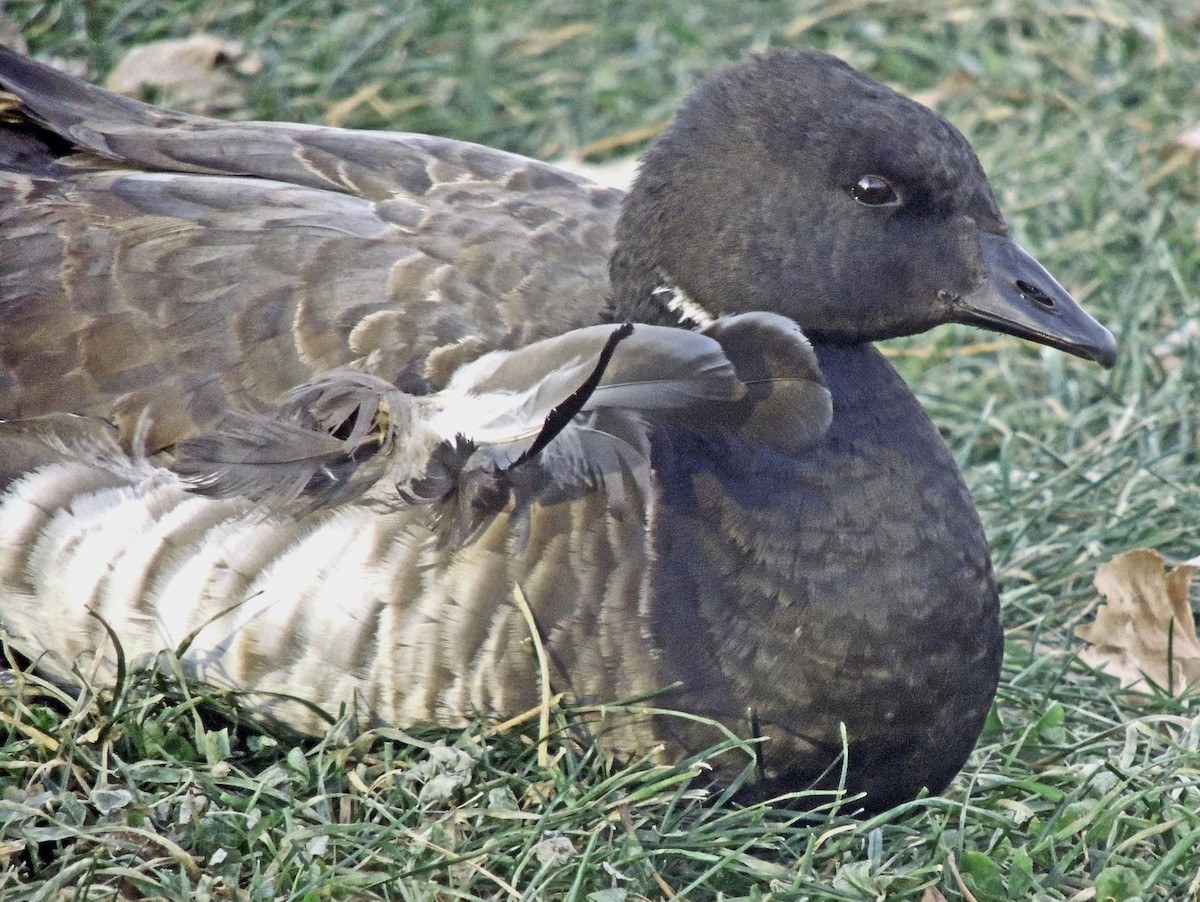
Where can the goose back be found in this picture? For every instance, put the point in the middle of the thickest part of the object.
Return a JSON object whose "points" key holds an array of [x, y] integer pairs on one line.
{"points": [[186, 266]]}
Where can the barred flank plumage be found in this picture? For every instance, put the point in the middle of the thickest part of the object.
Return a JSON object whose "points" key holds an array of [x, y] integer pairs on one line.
{"points": [[357, 607]]}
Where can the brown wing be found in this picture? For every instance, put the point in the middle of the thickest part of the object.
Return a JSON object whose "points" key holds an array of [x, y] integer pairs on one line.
{"points": [[185, 266]]}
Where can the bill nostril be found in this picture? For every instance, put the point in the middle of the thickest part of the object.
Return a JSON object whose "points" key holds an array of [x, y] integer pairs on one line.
{"points": [[1035, 294]]}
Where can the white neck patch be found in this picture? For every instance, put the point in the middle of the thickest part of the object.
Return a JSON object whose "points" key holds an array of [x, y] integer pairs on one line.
{"points": [[689, 312]]}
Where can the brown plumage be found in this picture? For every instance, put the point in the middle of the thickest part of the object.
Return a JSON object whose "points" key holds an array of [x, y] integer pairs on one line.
{"points": [[284, 383]]}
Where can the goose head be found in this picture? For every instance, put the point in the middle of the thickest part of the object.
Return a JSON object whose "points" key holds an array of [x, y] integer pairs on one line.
{"points": [[797, 185]]}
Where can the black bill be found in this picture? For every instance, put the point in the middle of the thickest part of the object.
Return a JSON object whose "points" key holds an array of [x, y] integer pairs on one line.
{"points": [[1021, 298]]}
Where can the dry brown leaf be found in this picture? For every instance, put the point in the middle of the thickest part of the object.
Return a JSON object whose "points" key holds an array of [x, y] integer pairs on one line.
{"points": [[932, 894], [196, 74], [1132, 637]]}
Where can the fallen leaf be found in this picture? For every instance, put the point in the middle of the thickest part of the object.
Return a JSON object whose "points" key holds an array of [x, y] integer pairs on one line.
{"points": [[932, 894], [197, 74], [1145, 630]]}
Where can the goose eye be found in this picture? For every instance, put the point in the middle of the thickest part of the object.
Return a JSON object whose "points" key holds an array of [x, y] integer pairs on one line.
{"points": [[874, 191]]}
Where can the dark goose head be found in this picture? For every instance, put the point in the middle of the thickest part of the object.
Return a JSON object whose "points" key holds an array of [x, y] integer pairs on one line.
{"points": [[797, 185]]}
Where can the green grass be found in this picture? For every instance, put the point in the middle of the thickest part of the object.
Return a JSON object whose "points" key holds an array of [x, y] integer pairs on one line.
{"points": [[1077, 791]]}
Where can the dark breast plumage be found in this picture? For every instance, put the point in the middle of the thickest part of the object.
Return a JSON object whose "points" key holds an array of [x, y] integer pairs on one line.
{"points": [[328, 397]]}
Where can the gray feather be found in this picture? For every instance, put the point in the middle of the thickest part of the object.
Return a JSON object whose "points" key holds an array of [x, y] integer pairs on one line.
{"points": [[663, 368], [261, 458], [787, 405], [33, 442], [321, 442]]}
